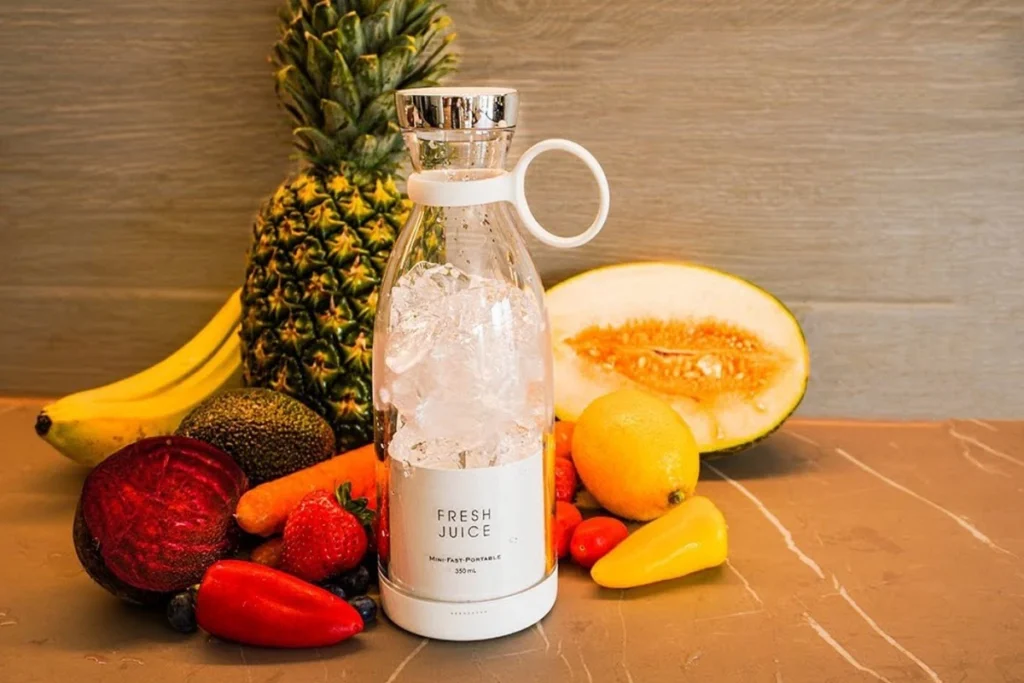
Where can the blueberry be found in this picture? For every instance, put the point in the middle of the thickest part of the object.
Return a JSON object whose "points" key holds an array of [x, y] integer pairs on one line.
{"points": [[366, 607], [181, 612], [370, 562], [336, 589], [355, 582]]}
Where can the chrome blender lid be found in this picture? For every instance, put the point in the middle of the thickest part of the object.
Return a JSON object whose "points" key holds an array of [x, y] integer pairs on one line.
{"points": [[457, 108]]}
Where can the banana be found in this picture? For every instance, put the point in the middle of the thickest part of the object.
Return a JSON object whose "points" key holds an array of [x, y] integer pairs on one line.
{"points": [[90, 431], [170, 370]]}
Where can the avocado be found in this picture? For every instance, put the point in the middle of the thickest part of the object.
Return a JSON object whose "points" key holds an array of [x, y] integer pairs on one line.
{"points": [[268, 434]]}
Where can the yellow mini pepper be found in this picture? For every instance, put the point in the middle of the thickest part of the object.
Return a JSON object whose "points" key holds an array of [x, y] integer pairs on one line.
{"points": [[688, 538]]}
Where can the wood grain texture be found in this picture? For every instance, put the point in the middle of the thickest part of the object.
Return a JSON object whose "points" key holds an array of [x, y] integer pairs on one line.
{"points": [[862, 160], [72, 339]]}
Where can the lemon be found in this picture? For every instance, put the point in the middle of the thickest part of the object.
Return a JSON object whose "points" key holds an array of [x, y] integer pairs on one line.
{"points": [[635, 454]]}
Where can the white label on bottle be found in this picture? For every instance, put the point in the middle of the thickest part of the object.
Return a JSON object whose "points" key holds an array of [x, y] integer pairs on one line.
{"points": [[464, 535]]}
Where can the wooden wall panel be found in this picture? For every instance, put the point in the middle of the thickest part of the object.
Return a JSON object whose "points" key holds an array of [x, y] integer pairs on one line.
{"points": [[863, 160], [89, 339], [136, 141]]}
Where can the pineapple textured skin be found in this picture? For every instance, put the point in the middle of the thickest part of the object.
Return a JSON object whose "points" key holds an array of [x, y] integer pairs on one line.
{"points": [[321, 242], [320, 246]]}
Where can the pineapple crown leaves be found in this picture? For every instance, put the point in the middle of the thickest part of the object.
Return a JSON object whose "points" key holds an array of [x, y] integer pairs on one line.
{"points": [[338, 64]]}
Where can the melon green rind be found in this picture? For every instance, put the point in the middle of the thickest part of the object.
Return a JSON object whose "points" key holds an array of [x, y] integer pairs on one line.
{"points": [[729, 450], [676, 290]]}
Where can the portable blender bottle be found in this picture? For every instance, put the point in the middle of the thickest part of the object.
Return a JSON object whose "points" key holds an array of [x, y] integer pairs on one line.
{"points": [[462, 378]]}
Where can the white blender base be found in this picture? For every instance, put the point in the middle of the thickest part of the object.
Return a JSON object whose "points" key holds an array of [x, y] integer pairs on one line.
{"points": [[469, 620]]}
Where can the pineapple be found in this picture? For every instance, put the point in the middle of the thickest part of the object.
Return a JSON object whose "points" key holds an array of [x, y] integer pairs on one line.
{"points": [[321, 242]]}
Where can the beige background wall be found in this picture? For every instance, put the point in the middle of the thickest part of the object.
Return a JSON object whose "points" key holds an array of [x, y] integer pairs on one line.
{"points": [[863, 160]]}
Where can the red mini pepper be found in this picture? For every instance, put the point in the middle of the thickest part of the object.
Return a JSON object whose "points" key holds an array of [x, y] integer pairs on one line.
{"points": [[256, 605]]}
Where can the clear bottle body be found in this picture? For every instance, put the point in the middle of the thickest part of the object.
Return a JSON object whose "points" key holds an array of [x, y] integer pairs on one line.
{"points": [[463, 393]]}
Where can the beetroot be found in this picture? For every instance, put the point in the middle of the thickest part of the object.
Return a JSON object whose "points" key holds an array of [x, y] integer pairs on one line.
{"points": [[156, 514]]}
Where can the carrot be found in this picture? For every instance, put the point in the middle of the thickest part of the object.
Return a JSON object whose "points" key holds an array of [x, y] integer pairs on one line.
{"points": [[268, 552], [262, 510]]}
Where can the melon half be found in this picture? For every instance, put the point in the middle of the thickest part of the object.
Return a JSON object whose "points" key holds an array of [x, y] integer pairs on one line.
{"points": [[727, 355]]}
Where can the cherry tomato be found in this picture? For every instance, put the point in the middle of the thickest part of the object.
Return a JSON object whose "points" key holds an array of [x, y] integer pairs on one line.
{"points": [[595, 538], [567, 518]]}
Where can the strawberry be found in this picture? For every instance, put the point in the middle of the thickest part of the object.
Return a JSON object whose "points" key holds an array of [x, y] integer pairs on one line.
{"points": [[325, 535], [565, 480]]}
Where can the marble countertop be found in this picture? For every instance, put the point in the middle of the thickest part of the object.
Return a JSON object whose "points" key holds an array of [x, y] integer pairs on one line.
{"points": [[859, 552]]}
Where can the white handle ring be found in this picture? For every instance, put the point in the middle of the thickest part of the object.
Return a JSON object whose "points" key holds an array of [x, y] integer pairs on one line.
{"points": [[535, 228]]}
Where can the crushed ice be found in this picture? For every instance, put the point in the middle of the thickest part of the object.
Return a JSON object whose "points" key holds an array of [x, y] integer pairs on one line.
{"points": [[465, 365]]}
